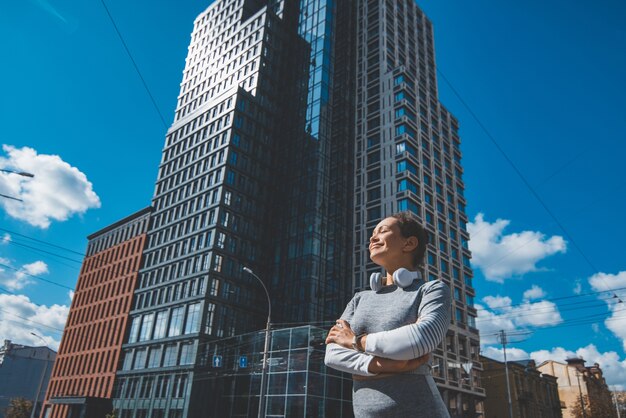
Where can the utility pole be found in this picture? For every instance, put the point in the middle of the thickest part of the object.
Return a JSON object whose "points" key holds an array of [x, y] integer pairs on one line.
{"points": [[616, 404], [503, 341]]}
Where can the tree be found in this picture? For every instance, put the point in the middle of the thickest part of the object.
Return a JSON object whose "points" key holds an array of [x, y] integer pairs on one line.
{"points": [[113, 414], [18, 408], [594, 409]]}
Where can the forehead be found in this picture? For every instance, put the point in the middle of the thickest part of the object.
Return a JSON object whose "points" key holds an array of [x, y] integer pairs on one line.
{"points": [[387, 222]]}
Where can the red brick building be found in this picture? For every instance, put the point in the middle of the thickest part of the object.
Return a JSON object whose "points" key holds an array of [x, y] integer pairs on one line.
{"points": [[83, 377]]}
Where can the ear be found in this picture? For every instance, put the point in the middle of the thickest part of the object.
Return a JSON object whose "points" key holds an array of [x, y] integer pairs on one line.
{"points": [[410, 245]]}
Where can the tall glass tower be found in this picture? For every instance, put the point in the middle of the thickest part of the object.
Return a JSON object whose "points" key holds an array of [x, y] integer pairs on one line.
{"points": [[253, 173]]}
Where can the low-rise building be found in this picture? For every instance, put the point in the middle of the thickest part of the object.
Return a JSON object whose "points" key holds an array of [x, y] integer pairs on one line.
{"points": [[581, 385], [24, 373], [534, 393], [83, 379]]}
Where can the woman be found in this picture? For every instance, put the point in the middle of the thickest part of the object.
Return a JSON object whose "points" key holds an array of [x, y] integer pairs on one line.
{"points": [[385, 335]]}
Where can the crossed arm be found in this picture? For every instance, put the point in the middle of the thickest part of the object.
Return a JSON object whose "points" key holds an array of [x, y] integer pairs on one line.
{"points": [[398, 350]]}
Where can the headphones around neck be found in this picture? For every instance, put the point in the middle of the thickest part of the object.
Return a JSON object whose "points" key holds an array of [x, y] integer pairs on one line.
{"points": [[401, 278]]}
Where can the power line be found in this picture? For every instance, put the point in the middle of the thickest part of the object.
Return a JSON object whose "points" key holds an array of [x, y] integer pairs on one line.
{"points": [[143, 81], [43, 251], [519, 173], [42, 242], [36, 277], [29, 320]]}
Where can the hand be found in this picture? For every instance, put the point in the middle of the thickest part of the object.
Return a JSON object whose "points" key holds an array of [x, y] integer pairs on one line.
{"points": [[341, 334]]}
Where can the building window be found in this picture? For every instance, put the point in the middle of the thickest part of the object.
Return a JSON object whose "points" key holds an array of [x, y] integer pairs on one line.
{"points": [[186, 354], [406, 184], [176, 323], [134, 329], [170, 355], [193, 319], [160, 325], [146, 327]]}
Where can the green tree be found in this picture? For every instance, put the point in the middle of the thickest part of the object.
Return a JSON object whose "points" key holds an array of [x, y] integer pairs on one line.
{"points": [[594, 410], [18, 408]]}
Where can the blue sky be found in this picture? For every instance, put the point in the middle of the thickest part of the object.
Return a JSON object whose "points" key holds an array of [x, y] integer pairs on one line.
{"points": [[546, 80]]}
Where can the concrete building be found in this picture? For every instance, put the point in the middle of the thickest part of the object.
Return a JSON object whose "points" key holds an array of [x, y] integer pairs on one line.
{"points": [[24, 373], [534, 394], [83, 377], [408, 157], [581, 385]]}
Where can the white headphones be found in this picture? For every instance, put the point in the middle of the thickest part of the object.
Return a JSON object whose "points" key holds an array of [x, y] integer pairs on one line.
{"points": [[401, 278]]}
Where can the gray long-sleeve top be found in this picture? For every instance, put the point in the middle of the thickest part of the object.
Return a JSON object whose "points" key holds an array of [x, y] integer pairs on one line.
{"points": [[401, 324]]}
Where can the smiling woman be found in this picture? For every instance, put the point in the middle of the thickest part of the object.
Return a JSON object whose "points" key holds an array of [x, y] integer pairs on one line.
{"points": [[385, 335]]}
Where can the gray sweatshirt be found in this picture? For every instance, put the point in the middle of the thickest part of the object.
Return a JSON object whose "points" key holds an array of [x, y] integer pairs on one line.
{"points": [[401, 324]]}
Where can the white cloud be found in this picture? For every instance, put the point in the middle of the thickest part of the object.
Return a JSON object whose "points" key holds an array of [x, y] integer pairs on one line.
{"points": [[57, 191], [613, 368], [16, 280], [616, 322], [578, 288], [18, 310], [535, 292], [6, 238], [512, 354], [501, 256], [495, 302], [71, 294], [515, 319]]}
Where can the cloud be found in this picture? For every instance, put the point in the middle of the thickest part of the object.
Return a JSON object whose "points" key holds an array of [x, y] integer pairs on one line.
{"points": [[578, 288], [500, 256], [613, 368], [616, 322], [512, 354], [57, 192], [535, 292], [16, 314], [514, 319], [6, 238], [20, 278]]}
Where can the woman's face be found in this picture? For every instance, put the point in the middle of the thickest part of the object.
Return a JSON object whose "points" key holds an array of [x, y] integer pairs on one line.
{"points": [[387, 245]]}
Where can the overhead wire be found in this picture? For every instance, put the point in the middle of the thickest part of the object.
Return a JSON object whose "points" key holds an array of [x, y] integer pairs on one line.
{"points": [[520, 175], [135, 66]]}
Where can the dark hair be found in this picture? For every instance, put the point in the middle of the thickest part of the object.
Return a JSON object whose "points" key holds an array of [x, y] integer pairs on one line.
{"points": [[411, 227]]}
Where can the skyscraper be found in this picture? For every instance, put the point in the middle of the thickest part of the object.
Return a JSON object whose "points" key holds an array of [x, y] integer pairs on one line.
{"points": [[299, 124], [408, 157]]}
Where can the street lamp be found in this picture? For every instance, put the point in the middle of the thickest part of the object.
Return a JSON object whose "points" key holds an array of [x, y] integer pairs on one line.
{"points": [[267, 345], [45, 370], [19, 173]]}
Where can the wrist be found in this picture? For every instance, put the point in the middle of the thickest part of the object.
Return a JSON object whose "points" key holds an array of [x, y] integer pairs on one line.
{"points": [[358, 344]]}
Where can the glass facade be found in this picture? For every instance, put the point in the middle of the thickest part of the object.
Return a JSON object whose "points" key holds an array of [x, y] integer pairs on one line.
{"points": [[299, 384]]}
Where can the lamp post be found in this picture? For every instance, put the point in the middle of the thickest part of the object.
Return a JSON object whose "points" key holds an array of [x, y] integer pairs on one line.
{"points": [[19, 173], [45, 369], [267, 345]]}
